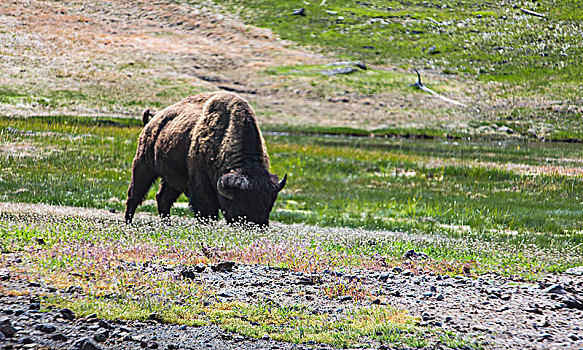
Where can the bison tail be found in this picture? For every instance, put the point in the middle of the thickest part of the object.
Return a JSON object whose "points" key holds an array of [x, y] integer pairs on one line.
{"points": [[146, 116]]}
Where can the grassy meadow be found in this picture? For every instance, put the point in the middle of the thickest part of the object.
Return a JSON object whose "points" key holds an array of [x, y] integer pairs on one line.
{"points": [[438, 179], [507, 194]]}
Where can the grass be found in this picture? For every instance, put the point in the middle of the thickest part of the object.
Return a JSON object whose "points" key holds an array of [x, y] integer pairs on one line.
{"points": [[130, 272], [509, 67], [492, 41], [503, 194]]}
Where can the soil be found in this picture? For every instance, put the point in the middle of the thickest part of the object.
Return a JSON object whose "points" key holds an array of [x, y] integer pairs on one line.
{"points": [[497, 311], [100, 50]]}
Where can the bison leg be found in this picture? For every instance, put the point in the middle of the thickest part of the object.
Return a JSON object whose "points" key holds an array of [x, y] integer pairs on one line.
{"points": [[166, 197], [202, 200], [142, 179]]}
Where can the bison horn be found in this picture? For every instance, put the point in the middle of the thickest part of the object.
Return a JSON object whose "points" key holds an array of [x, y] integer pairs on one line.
{"points": [[222, 191], [282, 183]]}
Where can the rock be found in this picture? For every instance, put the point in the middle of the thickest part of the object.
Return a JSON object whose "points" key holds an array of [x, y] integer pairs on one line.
{"points": [[34, 306], [344, 298], [339, 70], [505, 129], [26, 340], [412, 254], [543, 322], [406, 272], [200, 267], [309, 280], [266, 337], [46, 328], [226, 294], [104, 324], [59, 337], [223, 266], [86, 344], [67, 314], [299, 12], [187, 274], [101, 336], [384, 277], [397, 269], [555, 289], [6, 328], [573, 302], [439, 297], [577, 271]]}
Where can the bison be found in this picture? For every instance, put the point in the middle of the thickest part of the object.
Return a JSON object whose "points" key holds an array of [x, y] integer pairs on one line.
{"points": [[210, 148]]}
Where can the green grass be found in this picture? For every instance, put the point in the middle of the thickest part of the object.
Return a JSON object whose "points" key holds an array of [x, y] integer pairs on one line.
{"points": [[129, 272], [494, 41], [433, 187]]}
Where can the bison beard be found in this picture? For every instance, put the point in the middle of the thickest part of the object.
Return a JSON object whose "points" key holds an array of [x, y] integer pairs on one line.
{"points": [[208, 147]]}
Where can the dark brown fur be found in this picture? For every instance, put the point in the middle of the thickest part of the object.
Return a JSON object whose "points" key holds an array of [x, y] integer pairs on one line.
{"points": [[208, 147]]}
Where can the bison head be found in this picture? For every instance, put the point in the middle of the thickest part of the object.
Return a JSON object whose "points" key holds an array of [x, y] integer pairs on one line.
{"points": [[248, 198]]}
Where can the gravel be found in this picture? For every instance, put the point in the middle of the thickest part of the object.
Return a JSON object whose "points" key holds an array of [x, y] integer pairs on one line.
{"points": [[499, 312]]}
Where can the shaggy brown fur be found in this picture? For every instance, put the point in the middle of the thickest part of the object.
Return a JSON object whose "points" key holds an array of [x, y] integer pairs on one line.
{"points": [[209, 147]]}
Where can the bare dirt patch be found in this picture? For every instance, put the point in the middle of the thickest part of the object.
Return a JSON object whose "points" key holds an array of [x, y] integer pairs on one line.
{"points": [[114, 58]]}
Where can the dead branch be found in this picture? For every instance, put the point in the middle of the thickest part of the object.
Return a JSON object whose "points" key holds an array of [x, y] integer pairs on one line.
{"points": [[422, 87], [532, 13]]}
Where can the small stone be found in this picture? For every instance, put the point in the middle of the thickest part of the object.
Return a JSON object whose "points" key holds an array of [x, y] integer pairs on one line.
{"points": [[187, 273], [573, 336], [223, 266], [555, 289], [266, 337], [406, 272], [384, 277], [226, 294], [183, 327], [67, 314], [573, 302], [46, 328], [86, 344], [299, 12], [577, 271], [543, 322], [397, 269], [104, 324], [34, 306], [439, 297], [6, 328], [345, 298], [26, 340], [433, 289], [200, 267], [101, 336], [59, 337]]}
